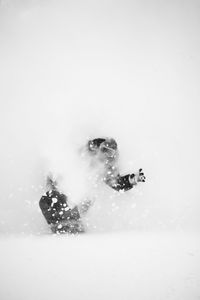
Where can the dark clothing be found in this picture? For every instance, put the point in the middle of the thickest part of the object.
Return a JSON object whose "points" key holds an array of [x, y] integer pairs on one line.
{"points": [[122, 183], [58, 214], [119, 183]]}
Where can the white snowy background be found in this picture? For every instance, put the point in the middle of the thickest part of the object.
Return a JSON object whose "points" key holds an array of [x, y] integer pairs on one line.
{"points": [[75, 70]]}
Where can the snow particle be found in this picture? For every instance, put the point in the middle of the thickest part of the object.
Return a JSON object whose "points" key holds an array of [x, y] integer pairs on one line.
{"points": [[54, 200]]}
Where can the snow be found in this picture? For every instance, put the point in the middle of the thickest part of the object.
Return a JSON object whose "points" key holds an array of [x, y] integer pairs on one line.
{"points": [[75, 70], [54, 200], [105, 266]]}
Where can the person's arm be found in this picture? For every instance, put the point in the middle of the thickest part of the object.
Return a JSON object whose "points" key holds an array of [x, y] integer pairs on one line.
{"points": [[127, 182]]}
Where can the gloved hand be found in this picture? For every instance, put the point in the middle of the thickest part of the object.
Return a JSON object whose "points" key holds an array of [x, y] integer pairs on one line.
{"points": [[138, 177]]}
